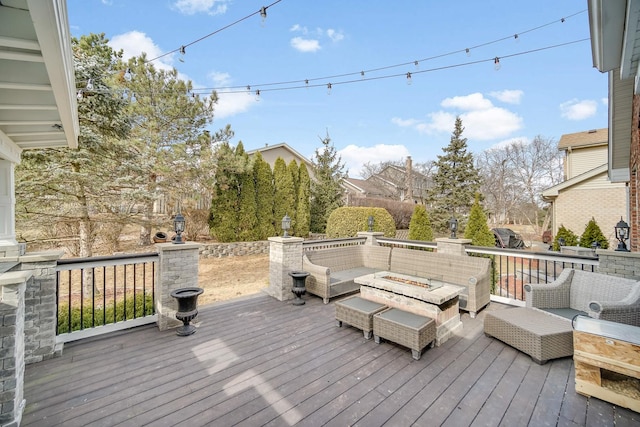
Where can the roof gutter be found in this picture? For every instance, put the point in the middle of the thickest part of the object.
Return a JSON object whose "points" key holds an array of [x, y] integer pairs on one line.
{"points": [[607, 34]]}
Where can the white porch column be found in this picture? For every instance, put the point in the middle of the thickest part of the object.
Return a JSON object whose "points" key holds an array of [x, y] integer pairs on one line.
{"points": [[8, 244]]}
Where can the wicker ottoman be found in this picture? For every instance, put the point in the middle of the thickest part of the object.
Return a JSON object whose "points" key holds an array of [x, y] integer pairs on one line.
{"points": [[404, 328], [358, 312], [541, 335]]}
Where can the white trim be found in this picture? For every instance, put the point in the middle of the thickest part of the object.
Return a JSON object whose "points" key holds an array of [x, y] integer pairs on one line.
{"points": [[8, 149], [629, 40], [619, 175], [101, 330], [508, 301]]}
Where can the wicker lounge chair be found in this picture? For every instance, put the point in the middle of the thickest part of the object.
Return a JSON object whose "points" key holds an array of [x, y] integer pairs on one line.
{"points": [[600, 296]]}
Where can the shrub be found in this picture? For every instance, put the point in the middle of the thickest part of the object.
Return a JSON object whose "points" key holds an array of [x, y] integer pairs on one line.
{"points": [[477, 229], [570, 238], [143, 307], [420, 225], [592, 233], [347, 221]]}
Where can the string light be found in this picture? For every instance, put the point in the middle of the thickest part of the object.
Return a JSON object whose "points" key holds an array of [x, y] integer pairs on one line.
{"points": [[329, 88], [257, 95], [90, 84], [496, 63], [263, 15], [182, 52], [468, 51], [409, 78], [127, 75]]}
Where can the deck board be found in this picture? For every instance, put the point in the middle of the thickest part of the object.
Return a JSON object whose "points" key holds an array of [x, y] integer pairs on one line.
{"points": [[260, 362]]}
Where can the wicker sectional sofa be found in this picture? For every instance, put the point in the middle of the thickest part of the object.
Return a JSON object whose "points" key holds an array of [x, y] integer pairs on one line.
{"points": [[600, 296], [332, 271]]}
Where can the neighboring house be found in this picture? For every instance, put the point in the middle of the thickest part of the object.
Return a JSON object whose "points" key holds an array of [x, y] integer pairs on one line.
{"points": [[393, 182], [586, 191], [615, 46], [37, 94], [271, 152]]}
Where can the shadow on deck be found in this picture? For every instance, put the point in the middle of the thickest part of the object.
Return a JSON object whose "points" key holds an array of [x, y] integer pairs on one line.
{"points": [[258, 361]]}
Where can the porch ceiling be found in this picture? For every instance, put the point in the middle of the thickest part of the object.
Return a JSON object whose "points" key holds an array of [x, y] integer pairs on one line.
{"points": [[37, 86]]}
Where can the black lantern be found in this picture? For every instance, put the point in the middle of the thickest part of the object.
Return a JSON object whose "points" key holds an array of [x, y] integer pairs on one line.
{"points": [[622, 234], [453, 226], [286, 225], [178, 227], [370, 223]]}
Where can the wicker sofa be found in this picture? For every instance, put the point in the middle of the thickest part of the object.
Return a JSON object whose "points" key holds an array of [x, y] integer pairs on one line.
{"points": [[580, 292], [332, 271], [472, 273]]}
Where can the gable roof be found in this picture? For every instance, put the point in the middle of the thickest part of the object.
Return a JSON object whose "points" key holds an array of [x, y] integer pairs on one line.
{"points": [[554, 191], [588, 138], [282, 146]]}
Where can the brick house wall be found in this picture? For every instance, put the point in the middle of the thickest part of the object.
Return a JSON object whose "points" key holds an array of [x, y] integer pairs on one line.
{"points": [[633, 178]]}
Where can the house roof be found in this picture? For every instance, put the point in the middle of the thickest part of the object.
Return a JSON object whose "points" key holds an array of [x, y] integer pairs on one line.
{"points": [[584, 139], [282, 145], [37, 85], [553, 192]]}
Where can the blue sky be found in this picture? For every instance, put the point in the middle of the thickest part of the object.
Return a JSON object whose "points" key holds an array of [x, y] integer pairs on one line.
{"points": [[539, 89]]}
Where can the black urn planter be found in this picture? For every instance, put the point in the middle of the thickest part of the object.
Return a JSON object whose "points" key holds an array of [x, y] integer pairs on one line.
{"points": [[187, 308], [299, 287], [160, 237]]}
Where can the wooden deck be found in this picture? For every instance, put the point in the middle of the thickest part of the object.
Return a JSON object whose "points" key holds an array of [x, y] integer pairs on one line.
{"points": [[258, 361]]}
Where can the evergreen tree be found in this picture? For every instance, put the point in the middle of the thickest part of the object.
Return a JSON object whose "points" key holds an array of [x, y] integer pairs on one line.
{"points": [[568, 237], [477, 228], [77, 191], [247, 207], [303, 213], [591, 234], [284, 203], [326, 189], [293, 170], [264, 197], [420, 225], [455, 183]]}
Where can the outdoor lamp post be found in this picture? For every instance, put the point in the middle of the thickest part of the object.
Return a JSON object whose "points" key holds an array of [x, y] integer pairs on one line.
{"points": [[178, 227], [622, 234], [453, 226], [286, 225], [370, 222]]}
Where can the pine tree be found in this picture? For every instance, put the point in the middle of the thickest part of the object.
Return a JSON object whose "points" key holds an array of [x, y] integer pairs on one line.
{"points": [[569, 238], [293, 170], [420, 225], [264, 197], [455, 183], [477, 228], [284, 203], [303, 213], [591, 234], [247, 207], [326, 189]]}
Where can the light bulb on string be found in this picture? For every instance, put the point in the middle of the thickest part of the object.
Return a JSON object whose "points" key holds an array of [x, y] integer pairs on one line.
{"points": [[127, 75], [257, 95], [263, 15], [417, 64], [516, 37], [409, 78], [306, 83], [80, 95], [90, 84], [468, 51], [496, 63], [328, 88], [362, 75], [182, 52], [248, 89]]}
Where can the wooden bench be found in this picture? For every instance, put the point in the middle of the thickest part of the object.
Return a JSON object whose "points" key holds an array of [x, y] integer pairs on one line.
{"points": [[406, 329], [358, 312]]}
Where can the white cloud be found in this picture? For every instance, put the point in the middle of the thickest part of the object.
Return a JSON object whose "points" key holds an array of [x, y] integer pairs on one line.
{"points": [[210, 7], [480, 118], [605, 102], [297, 28], [305, 45], [334, 35], [508, 96], [578, 110], [474, 101], [230, 104], [134, 43], [220, 79], [354, 157], [509, 142]]}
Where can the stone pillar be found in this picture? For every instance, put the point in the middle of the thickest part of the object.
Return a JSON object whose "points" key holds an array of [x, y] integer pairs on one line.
{"points": [[452, 246], [371, 236], [178, 268], [12, 313], [40, 306], [619, 263], [285, 255]]}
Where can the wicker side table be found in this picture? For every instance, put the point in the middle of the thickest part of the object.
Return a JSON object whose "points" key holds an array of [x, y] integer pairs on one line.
{"points": [[358, 312], [541, 335], [404, 328]]}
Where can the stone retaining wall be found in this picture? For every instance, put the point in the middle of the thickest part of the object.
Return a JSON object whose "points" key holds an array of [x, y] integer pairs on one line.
{"points": [[220, 250]]}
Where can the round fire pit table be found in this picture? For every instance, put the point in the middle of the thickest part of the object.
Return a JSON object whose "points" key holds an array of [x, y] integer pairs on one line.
{"points": [[187, 308], [299, 288]]}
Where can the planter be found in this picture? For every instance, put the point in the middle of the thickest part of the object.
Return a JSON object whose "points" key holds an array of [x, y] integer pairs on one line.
{"points": [[160, 237], [299, 287], [187, 308]]}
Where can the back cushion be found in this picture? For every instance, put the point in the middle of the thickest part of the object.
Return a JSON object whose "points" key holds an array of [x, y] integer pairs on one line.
{"points": [[337, 259]]}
